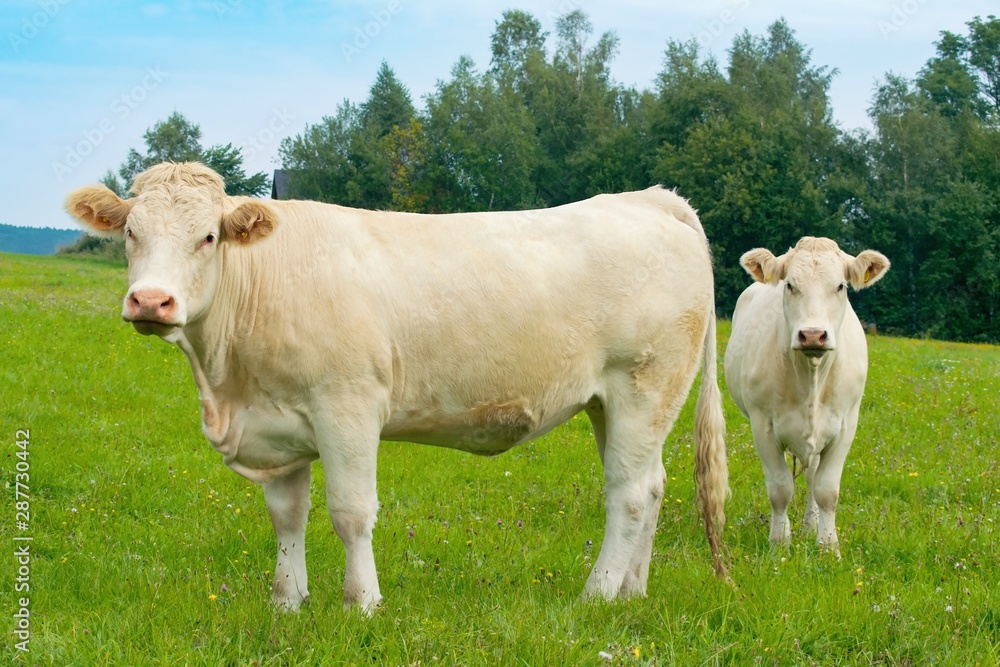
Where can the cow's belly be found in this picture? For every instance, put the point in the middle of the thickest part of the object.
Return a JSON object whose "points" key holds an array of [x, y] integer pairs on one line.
{"points": [[487, 429], [265, 442], [805, 432]]}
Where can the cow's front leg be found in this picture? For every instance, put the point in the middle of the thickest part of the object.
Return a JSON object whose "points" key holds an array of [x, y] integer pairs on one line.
{"points": [[780, 485], [826, 486], [349, 457], [810, 520], [287, 501]]}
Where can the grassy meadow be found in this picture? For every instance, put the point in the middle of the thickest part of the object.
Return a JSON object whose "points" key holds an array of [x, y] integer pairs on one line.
{"points": [[147, 550]]}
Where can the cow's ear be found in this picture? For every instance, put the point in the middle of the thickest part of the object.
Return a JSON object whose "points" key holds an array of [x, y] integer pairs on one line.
{"points": [[866, 269], [104, 212], [248, 222], [763, 266]]}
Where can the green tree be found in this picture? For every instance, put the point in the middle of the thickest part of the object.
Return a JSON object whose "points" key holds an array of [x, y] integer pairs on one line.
{"points": [[576, 108], [517, 45], [227, 161], [388, 104], [321, 160], [177, 139], [984, 56], [484, 145], [754, 151], [948, 81], [345, 159], [407, 150], [933, 194]]}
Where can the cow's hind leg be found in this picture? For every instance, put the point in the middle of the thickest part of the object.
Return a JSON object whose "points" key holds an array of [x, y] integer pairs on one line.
{"points": [[287, 501], [598, 421], [634, 478], [637, 574], [669, 403]]}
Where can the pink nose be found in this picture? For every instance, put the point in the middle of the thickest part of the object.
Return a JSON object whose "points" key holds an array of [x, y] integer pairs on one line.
{"points": [[151, 306], [812, 339]]}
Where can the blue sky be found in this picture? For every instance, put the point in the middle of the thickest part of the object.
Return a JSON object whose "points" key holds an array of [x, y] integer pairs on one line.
{"points": [[81, 80]]}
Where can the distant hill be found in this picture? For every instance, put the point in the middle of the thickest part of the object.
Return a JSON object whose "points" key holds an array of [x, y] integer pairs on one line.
{"points": [[35, 240]]}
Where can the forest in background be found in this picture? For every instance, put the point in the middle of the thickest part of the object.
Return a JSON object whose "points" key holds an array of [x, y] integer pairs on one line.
{"points": [[750, 142], [35, 240]]}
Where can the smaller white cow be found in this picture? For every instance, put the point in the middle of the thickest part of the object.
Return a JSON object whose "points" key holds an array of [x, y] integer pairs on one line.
{"points": [[796, 365]]}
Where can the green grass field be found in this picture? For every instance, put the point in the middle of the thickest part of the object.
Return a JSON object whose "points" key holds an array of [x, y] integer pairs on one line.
{"points": [[147, 550]]}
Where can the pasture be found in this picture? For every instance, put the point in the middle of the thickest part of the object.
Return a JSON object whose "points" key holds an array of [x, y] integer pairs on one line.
{"points": [[146, 550]]}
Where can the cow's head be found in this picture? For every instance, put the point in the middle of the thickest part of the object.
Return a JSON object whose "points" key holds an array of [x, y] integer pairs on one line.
{"points": [[814, 276], [173, 228]]}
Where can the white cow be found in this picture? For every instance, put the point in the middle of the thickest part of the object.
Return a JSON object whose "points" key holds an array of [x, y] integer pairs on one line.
{"points": [[314, 331], [796, 365]]}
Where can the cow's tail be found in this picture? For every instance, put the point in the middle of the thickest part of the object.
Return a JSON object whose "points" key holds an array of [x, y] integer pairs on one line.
{"points": [[711, 468]]}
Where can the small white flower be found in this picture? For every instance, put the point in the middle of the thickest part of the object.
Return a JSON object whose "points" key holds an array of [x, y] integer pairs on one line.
{"points": [[948, 609]]}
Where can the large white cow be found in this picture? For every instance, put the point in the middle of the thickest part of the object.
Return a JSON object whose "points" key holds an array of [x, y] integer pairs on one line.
{"points": [[796, 365], [314, 331]]}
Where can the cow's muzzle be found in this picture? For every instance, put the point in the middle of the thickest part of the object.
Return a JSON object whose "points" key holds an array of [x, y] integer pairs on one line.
{"points": [[152, 312], [812, 342]]}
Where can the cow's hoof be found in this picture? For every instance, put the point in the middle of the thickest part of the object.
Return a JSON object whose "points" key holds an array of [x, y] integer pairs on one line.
{"points": [[368, 608], [289, 605], [832, 548]]}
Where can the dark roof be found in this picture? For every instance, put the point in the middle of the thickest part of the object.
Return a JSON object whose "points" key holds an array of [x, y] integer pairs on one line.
{"points": [[279, 184]]}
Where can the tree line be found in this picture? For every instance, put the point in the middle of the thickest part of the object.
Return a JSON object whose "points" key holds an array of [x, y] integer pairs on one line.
{"points": [[751, 142]]}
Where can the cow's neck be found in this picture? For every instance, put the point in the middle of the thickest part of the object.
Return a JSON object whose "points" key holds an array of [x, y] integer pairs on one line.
{"points": [[812, 372], [208, 344], [214, 418], [812, 375]]}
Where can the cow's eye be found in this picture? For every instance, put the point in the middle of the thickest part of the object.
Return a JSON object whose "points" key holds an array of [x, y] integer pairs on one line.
{"points": [[790, 289], [209, 240], [842, 287], [128, 233]]}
